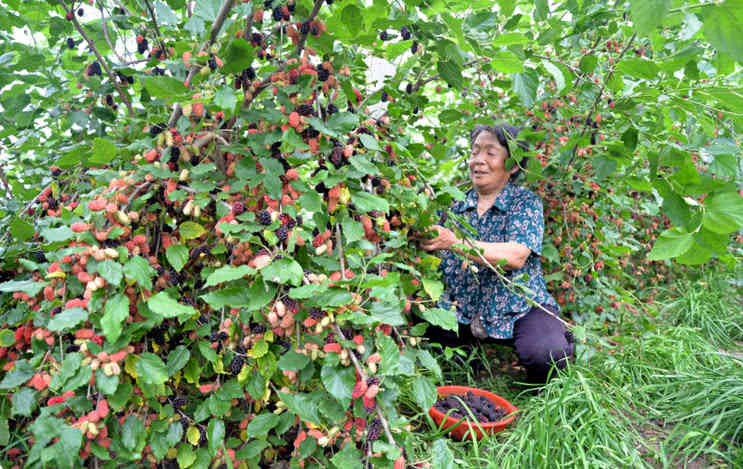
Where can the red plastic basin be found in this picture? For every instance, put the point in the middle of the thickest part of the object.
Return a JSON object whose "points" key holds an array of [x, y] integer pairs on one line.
{"points": [[467, 429]]}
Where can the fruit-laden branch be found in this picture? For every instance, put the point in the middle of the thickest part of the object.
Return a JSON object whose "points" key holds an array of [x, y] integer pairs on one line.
{"points": [[154, 23], [104, 22], [351, 354], [250, 96], [104, 64], [600, 94], [216, 26]]}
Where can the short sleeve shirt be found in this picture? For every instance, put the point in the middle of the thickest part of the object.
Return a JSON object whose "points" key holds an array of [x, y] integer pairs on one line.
{"points": [[517, 216]]}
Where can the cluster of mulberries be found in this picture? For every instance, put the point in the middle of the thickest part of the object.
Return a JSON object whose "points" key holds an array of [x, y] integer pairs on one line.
{"points": [[264, 217], [237, 364], [374, 430]]}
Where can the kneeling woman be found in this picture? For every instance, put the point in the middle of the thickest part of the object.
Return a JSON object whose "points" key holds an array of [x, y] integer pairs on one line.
{"points": [[510, 226]]}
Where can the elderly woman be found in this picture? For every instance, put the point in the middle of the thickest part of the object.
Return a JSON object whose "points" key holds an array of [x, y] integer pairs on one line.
{"points": [[510, 227]]}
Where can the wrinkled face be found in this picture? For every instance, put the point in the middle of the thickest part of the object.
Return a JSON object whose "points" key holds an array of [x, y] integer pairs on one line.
{"points": [[487, 164]]}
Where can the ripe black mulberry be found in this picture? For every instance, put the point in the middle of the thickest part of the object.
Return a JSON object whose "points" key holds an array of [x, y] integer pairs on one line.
{"points": [[383, 35], [264, 218], [236, 365], [282, 233], [323, 74], [142, 46], [405, 33], [70, 43]]}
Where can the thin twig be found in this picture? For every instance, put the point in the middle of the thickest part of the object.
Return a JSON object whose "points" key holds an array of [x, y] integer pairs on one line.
{"points": [[105, 33], [154, 23], [98, 55], [216, 26]]}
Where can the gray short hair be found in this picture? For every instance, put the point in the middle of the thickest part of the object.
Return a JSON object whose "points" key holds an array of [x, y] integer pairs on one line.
{"points": [[503, 133]]}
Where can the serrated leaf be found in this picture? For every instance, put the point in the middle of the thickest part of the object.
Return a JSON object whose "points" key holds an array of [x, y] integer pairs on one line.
{"points": [[370, 142], [139, 270], [131, 432], [442, 455], [191, 230], [722, 26], [111, 271], [215, 435], [424, 392], [21, 229], [366, 202], [177, 255], [556, 73], [639, 68], [724, 213], [177, 359], [164, 87], [441, 317], [22, 371], [348, 457], [57, 235], [671, 243], [648, 14], [507, 39], [433, 287], [23, 402], [238, 57], [193, 435], [507, 62], [284, 271], [428, 361], [227, 273], [259, 349], [29, 287], [351, 19], [450, 72], [525, 86], [339, 382], [168, 307], [151, 369], [115, 313], [67, 319], [186, 457], [225, 99], [103, 152], [307, 291], [293, 361], [262, 424]]}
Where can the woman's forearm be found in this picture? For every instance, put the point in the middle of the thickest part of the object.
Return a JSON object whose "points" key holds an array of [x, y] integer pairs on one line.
{"points": [[515, 254]]}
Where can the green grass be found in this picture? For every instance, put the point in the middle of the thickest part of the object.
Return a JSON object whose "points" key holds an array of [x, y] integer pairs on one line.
{"points": [[667, 394]]}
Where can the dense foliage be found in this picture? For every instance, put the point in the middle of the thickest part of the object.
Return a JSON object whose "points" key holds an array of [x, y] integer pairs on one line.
{"points": [[205, 254]]}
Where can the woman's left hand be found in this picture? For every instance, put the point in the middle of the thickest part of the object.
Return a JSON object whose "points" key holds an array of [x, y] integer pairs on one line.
{"points": [[444, 239]]}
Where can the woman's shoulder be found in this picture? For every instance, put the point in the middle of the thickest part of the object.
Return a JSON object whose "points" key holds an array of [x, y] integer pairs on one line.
{"points": [[522, 195]]}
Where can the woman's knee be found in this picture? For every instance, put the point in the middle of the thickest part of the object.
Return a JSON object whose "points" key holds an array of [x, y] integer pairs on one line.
{"points": [[544, 353]]}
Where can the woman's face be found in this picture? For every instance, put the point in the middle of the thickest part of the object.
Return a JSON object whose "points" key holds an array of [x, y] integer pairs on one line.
{"points": [[487, 164]]}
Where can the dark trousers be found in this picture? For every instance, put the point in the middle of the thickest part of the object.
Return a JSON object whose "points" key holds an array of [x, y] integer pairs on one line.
{"points": [[539, 339]]}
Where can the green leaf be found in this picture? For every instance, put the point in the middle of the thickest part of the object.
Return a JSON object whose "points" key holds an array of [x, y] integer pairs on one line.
{"points": [[366, 202], [722, 27], [21, 373], [261, 425], [7, 338], [106, 384], [215, 435], [671, 243], [293, 361], [164, 87], [151, 369], [4, 431], [556, 73], [648, 14], [450, 72], [139, 270], [370, 142], [433, 287], [165, 15], [111, 272], [21, 229], [348, 457], [132, 432], [442, 318], [227, 273], [352, 19], [168, 307], [390, 353], [424, 392], [427, 361], [177, 255], [177, 359], [724, 213], [238, 57], [116, 312], [67, 319], [57, 235], [541, 10], [234, 297], [507, 39], [104, 151], [507, 62], [525, 86], [186, 456], [24, 402], [639, 68], [448, 116], [191, 230], [339, 382], [225, 99], [256, 386], [442, 455], [307, 291], [29, 287], [284, 271]]}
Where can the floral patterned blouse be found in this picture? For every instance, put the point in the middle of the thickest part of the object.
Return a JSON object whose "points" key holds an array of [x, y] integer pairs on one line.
{"points": [[516, 215]]}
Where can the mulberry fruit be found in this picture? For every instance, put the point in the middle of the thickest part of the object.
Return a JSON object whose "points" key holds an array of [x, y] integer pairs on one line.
{"points": [[332, 109], [70, 43], [383, 36], [156, 129], [323, 74], [277, 14], [179, 402], [238, 208], [264, 218], [409, 88], [142, 46], [414, 47], [316, 313], [385, 97], [258, 329], [282, 233], [236, 365], [305, 110], [94, 68], [375, 429], [405, 33], [212, 64], [80, 12], [304, 28]]}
